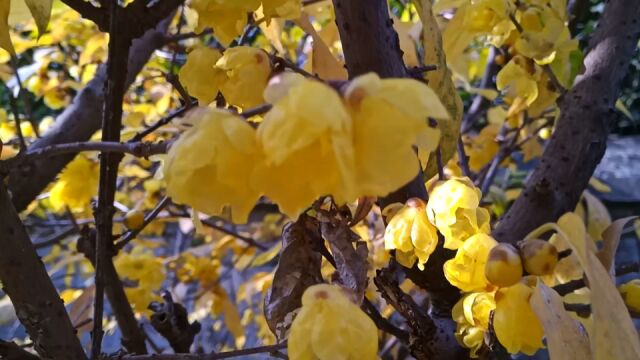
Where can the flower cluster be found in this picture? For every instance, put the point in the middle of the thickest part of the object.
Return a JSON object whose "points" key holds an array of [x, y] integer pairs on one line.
{"points": [[490, 274], [77, 184], [146, 272], [240, 74], [315, 140], [228, 18], [453, 210]]}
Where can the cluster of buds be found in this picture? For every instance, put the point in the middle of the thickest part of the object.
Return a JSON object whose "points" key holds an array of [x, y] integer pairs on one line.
{"points": [[507, 264]]}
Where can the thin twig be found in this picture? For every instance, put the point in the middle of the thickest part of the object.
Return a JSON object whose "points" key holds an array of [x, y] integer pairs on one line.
{"points": [[281, 62], [217, 356], [571, 286], [463, 159], [22, 94], [160, 123], [16, 115], [118, 53], [137, 149], [55, 238], [440, 164], [210, 223], [480, 104], [132, 234], [258, 110], [186, 36]]}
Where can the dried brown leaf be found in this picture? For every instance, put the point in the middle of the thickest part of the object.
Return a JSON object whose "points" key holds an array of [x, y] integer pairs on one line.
{"points": [[298, 268]]}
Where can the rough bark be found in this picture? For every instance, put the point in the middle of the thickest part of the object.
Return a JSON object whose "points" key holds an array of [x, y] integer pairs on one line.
{"points": [[371, 43], [579, 140], [78, 122], [25, 279]]}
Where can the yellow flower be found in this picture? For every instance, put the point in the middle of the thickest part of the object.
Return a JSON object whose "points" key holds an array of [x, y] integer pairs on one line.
{"points": [[287, 9], [202, 269], [56, 98], [247, 72], [483, 15], [210, 165], [630, 292], [77, 184], [453, 209], [538, 40], [199, 75], [329, 326], [306, 139], [466, 270], [389, 118], [517, 78], [411, 233], [483, 147], [516, 325], [227, 18], [471, 313], [146, 272]]}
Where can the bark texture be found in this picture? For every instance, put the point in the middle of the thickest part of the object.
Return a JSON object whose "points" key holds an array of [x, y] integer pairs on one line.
{"points": [[35, 299]]}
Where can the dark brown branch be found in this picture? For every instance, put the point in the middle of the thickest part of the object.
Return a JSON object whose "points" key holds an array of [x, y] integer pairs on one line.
{"points": [[11, 351], [115, 87], [429, 338], [218, 356], [480, 104], [134, 20], [35, 299], [212, 224], [137, 149], [132, 336], [463, 158], [160, 123], [579, 141]]}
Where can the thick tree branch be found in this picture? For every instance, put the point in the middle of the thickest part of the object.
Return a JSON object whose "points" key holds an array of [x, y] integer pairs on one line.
{"points": [[11, 351], [77, 123], [137, 17], [25, 279], [371, 43], [579, 141]]}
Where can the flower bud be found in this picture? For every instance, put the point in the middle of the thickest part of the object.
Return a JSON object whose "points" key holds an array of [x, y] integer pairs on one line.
{"points": [[134, 219], [504, 266], [539, 257]]}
